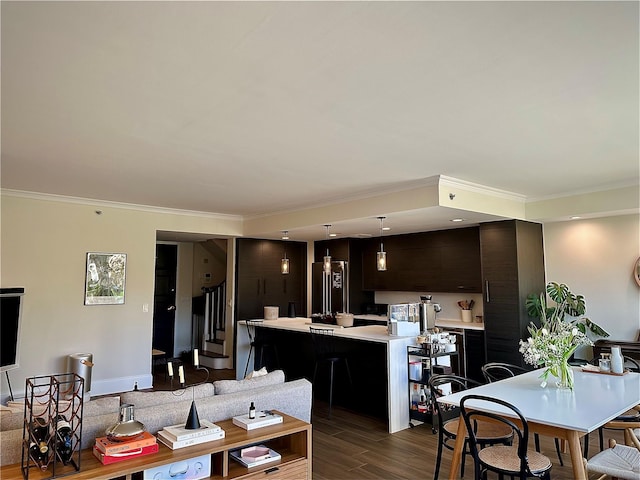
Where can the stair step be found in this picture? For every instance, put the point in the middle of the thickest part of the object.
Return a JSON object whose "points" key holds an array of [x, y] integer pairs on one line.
{"points": [[210, 354], [217, 341]]}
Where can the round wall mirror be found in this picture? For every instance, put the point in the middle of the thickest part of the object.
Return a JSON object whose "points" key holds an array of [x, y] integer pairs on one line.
{"points": [[636, 271]]}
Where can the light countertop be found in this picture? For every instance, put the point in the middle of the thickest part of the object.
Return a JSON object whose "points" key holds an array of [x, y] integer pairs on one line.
{"points": [[372, 333], [459, 324]]}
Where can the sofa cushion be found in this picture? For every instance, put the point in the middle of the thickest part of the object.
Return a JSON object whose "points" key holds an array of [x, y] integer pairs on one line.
{"points": [[150, 399], [100, 406], [232, 386]]}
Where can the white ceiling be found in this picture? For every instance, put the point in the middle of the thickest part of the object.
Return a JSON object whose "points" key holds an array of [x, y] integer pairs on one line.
{"points": [[251, 108]]}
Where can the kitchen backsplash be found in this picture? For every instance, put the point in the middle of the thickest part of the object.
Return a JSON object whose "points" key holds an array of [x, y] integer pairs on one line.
{"points": [[448, 301]]}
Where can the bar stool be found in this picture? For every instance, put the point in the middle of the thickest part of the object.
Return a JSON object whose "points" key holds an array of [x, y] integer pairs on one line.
{"points": [[326, 352], [259, 347]]}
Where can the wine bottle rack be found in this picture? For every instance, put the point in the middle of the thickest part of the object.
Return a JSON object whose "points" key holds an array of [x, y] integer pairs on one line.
{"points": [[46, 397]]}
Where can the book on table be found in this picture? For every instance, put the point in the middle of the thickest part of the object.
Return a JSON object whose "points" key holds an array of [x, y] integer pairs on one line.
{"points": [[255, 455], [180, 432], [126, 455], [110, 447], [175, 444], [263, 418]]}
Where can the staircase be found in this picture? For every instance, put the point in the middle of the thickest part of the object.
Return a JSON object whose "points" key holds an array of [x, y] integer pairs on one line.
{"points": [[209, 320]]}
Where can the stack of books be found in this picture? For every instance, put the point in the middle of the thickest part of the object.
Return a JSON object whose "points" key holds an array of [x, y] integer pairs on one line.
{"points": [[110, 451], [255, 455], [263, 418], [177, 436]]}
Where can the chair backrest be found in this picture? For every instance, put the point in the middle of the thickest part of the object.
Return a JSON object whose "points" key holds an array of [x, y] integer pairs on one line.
{"points": [[495, 371], [251, 329], [472, 416], [631, 363], [456, 384], [323, 342]]}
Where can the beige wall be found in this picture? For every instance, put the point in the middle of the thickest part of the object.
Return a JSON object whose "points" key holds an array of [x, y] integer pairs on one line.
{"points": [[43, 249], [595, 258]]}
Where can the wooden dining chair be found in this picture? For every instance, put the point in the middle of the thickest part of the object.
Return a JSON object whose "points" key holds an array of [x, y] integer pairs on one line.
{"points": [[618, 462], [632, 415], [515, 460], [448, 418], [495, 371]]}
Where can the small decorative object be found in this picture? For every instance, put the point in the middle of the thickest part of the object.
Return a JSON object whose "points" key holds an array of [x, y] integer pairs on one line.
{"points": [[617, 360], [105, 275], [193, 421], [466, 306], [127, 427]]}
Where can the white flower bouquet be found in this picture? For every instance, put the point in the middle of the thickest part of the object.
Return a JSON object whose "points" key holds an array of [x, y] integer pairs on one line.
{"points": [[551, 345]]}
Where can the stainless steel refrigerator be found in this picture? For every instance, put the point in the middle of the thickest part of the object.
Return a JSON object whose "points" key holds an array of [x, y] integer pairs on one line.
{"points": [[330, 291]]}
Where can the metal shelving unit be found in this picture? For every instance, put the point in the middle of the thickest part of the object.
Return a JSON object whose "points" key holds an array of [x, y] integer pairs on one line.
{"points": [[428, 357]]}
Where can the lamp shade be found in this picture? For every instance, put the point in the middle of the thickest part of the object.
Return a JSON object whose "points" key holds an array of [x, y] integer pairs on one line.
{"points": [[381, 261]]}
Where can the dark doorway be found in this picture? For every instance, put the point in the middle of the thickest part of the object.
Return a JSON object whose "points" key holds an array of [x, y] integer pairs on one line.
{"points": [[164, 300]]}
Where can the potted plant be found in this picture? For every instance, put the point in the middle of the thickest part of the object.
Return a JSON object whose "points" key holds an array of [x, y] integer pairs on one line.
{"points": [[566, 303], [556, 339]]}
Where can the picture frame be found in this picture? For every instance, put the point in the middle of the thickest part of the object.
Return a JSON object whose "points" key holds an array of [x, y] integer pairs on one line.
{"points": [[105, 278]]}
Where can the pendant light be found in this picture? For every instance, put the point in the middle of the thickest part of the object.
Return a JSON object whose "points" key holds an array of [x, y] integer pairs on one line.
{"points": [[381, 256], [284, 263], [326, 262]]}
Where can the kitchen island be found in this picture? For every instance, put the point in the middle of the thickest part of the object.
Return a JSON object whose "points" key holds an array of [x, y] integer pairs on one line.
{"points": [[378, 362]]}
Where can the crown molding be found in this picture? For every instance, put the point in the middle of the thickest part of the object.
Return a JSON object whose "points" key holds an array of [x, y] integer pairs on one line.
{"points": [[50, 197]]}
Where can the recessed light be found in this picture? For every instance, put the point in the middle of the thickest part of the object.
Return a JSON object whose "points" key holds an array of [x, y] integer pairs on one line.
{"points": [[386, 229], [575, 217], [457, 219], [333, 234]]}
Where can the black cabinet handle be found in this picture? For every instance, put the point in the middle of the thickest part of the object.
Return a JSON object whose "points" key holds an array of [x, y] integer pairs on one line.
{"points": [[258, 290], [487, 297], [271, 470]]}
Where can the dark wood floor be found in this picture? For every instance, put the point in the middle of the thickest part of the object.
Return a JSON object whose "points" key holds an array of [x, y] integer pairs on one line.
{"points": [[350, 446]]}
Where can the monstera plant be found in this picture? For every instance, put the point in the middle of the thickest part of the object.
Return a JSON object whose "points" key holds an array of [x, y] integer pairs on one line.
{"points": [[564, 303]]}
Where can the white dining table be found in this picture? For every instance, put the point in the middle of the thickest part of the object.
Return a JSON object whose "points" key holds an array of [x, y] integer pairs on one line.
{"points": [[566, 414]]}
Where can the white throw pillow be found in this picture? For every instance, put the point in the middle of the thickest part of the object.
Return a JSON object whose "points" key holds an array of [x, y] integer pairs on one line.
{"points": [[256, 373]]}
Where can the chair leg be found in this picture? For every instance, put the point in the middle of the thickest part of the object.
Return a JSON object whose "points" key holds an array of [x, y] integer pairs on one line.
{"points": [[558, 451], [330, 387], [586, 446], [439, 457], [246, 368], [601, 437]]}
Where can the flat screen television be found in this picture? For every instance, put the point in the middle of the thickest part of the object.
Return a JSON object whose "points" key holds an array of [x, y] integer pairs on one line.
{"points": [[10, 320]]}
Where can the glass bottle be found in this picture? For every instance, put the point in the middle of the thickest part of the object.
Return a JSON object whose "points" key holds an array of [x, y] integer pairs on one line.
{"points": [[617, 361], [39, 446], [64, 445], [252, 411]]}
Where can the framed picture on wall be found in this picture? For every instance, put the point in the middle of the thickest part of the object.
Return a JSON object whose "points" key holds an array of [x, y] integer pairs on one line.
{"points": [[105, 278]]}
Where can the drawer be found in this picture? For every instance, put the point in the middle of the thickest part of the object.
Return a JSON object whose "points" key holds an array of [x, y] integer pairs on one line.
{"points": [[296, 470]]}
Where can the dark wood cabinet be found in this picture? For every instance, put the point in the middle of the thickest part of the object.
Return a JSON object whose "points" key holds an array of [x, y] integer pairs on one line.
{"points": [[512, 268], [440, 261], [260, 283], [350, 251]]}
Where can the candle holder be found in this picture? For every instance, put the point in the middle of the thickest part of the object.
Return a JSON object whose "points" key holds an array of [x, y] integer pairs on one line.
{"points": [[193, 421]]}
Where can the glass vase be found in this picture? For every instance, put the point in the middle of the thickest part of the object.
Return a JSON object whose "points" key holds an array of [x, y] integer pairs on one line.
{"points": [[564, 373]]}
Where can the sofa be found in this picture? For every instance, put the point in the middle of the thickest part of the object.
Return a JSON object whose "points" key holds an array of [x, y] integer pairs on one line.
{"points": [[215, 401]]}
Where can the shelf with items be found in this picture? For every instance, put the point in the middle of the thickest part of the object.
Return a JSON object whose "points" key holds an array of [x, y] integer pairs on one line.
{"points": [[291, 439], [424, 361]]}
